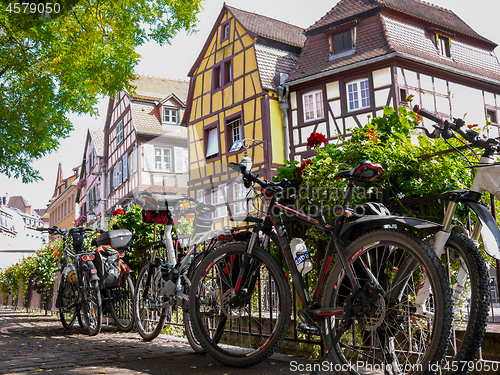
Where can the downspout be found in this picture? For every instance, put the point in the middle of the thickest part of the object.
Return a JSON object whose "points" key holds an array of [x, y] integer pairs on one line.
{"points": [[283, 99]]}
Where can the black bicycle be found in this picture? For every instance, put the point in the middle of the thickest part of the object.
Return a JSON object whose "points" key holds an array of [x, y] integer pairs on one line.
{"points": [[78, 291], [366, 305]]}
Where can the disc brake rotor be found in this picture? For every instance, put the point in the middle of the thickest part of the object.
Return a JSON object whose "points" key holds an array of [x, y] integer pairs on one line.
{"points": [[227, 307]]}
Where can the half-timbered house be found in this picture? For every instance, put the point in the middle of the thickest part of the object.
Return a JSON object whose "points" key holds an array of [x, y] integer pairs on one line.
{"points": [[366, 54], [233, 96], [90, 193], [145, 148]]}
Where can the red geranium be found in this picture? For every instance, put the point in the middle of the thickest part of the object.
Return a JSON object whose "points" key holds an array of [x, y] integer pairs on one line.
{"points": [[304, 164], [118, 211], [316, 139]]}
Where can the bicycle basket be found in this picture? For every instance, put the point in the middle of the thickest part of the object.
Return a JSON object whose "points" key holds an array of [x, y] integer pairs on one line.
{"points": [[157, 217], [107, 262], [117, 238]]}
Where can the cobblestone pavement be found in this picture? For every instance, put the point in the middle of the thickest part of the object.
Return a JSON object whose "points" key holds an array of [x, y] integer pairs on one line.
{"points": [[31, 343]]}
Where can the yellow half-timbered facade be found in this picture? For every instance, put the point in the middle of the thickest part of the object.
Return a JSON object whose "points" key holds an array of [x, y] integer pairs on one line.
{"points": [[234, 95]]}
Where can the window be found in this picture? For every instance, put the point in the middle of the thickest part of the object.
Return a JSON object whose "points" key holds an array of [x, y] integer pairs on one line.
{"points": [[218, 199], [239, 197], [200, 195], [402, 95], [212, 143], [313, 105], [115, 178], [120, 172], [225, 30], [228, 73], [217, 77], [236, 130], [163, 159], [491, 115], [342, 43], [358, 95], [443, 45], [170, 116], [119, 133]]}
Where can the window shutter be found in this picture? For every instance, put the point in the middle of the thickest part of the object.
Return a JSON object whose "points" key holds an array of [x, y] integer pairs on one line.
{"points": [[149, 157], [185, 156], [115, 178], [179, 160], [108, 185], [125, 167]]}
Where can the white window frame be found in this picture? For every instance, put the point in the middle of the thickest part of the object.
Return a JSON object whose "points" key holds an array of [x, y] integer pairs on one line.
{"points": [[240, 194], [218, 197], [317, 111], [168, 118], [443, 44], [163, 165], [200, 195], [357, 95], [119, 133], [236, 128], [212, 143]]}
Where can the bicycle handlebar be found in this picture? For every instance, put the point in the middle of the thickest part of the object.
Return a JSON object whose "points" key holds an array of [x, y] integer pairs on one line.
{"points": [[470, 135], [250, 178], [153, 203]]}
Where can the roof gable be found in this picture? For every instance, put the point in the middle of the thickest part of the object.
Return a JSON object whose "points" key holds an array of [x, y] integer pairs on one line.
{"points": [[158, 88], [421, 10]]}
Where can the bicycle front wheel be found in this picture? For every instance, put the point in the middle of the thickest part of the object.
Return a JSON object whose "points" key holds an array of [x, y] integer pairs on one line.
{"points": [[70, 307], [91, 304], [246, 330], [403, 323], [121, 304], [471, 300], [149, 316]]}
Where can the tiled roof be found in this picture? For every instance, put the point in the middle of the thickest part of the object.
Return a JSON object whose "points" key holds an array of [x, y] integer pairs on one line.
{"points": [[420, 9], [146, 120], [159, 88], [272, 61], [97, 136], [416, 42], [371, 42], [269, 28]]}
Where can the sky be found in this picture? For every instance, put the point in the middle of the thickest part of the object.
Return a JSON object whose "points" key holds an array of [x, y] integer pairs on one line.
{"points": [[175, 60]]}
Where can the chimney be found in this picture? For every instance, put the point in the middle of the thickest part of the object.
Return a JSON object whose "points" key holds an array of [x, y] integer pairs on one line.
{"points": [[27, 210]]}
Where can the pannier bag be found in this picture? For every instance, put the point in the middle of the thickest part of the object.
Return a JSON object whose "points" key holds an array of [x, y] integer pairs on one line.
{"points": [[107, 262], [117, 238], [157, 217]]}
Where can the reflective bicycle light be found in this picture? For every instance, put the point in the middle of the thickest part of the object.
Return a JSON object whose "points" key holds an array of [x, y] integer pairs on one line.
{"points": [[247, 162]]}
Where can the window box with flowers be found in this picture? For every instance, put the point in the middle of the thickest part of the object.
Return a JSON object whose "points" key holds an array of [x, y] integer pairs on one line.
{"points": [[80, 221], [81, 183]]}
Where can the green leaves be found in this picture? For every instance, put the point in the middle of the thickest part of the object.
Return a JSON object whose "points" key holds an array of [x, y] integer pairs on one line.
{"points": [[52, 66]]}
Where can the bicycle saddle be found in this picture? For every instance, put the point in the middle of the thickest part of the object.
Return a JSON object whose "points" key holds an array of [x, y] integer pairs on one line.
{"points": [[364, 171]]}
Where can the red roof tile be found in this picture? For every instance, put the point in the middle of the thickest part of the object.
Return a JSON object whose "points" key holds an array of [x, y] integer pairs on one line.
{"points": [[269, 28], [371, 42], [420, 9], [271, 62], [146, 120], [159, 88]]}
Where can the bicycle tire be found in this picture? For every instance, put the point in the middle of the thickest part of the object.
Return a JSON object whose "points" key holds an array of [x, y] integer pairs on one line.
{"points": [[188, 327], [121, 304], [464, 254], [91, 304], [148, 320], [232, 333], [69, 311], [395, 335]]}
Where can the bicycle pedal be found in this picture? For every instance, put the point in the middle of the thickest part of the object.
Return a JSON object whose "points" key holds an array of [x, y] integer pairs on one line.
{"points": [[309, 330]]}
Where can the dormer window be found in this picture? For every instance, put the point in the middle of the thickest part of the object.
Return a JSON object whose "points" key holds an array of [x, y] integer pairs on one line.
{"points": [[443, 45], [170, 116], [342, 42]]}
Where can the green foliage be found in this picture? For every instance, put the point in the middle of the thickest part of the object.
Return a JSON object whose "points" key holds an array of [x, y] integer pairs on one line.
{"points": [[52, 66], [142, 235], [37, 271]]}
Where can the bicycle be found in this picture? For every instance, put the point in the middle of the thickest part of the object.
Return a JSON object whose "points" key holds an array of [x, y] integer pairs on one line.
{"points": [[469, 263], [79, 289], [365, 307], [116, 283], [164, 280]]}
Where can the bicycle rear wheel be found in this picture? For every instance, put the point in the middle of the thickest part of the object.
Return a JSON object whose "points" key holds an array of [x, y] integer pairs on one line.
{"points": [[246, 331], [394, 329], [470, 278], [91, 304], [70, 307], [121, 304], [149, 316]]}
